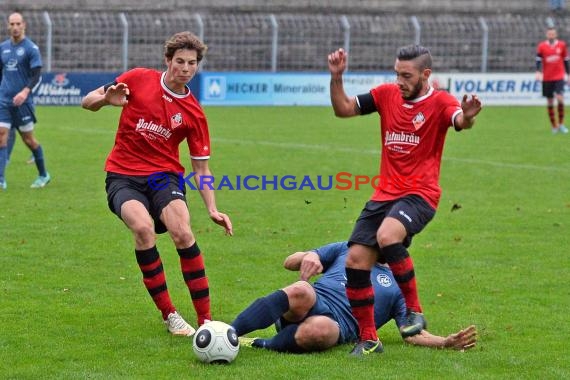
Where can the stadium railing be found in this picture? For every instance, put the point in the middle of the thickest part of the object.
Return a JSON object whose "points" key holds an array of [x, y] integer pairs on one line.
{"points": [[285, 42]]}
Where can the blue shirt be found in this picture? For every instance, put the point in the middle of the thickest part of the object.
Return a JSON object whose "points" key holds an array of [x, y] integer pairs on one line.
{"points": [[17, 60], [389, 302]]}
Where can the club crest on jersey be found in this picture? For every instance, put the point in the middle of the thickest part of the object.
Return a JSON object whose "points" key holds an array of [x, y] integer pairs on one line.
{"points": [[419, 120], [176, 120], [384, 280]]}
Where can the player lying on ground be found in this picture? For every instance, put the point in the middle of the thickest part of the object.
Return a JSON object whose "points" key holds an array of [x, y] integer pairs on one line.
{"points": [[315, 317]]}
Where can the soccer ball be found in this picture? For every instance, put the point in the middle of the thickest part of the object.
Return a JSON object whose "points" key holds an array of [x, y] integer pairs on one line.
{"points": [[216, 342]]}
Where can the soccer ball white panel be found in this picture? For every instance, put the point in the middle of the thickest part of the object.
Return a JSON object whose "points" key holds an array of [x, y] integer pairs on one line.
{"points": [[216, 342]]}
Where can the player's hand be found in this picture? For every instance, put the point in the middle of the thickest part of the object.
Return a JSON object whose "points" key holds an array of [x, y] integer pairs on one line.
{"points": [[310, 266], [538, 76], [21, 97], [471, 106], [337, 62], [117, 95], [462, 340], [223, 220]]}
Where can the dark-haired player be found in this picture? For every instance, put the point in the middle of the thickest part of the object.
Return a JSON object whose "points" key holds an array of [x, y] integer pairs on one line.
{"points": [[551, 68], [315, 317], [414, 119]]}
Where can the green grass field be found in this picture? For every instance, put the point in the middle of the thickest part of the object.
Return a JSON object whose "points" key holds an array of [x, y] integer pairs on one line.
{"points": [[73, 305]]}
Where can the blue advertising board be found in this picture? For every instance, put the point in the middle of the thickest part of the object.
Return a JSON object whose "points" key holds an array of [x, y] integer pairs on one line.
{"points": [[263, 89], [225, 88], [277, 89], [67, 89], [305, 89]]}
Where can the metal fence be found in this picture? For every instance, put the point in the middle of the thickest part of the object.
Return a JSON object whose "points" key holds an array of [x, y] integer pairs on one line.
{"points": [[117, 41]]}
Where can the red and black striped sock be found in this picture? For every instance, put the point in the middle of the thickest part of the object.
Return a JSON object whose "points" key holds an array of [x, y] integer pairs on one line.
{"points": [[194, 273], [551, 115], [402, 267], [560, 113], [154, 279], [360, 295]]}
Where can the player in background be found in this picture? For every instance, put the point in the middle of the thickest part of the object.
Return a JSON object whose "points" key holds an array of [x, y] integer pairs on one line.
{"points": [[414, 119], [552, 69], [317, 317], [143, 170], [20, 70]]}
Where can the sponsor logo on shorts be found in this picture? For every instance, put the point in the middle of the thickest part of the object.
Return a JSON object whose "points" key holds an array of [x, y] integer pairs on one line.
{"points": [[401, 212]]}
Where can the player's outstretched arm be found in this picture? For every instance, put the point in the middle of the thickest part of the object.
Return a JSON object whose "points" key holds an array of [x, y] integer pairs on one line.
{"points": [[343, 105], [308, 263], [471, 106], [201, 168], [461, 340], [115, 95]]}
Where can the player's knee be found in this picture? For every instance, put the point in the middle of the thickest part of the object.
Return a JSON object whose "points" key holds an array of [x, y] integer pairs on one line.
{"points": [[301, 295], [352, 258], [360, 257], [316, 335], [389, 236], [385, 238], [143, 232], [3, 137], [300, 290], [181, 236]]}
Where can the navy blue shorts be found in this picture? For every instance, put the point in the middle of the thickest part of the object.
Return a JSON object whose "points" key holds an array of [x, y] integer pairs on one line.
{"points": [[412, 210], [121, 188], [17, 117], [342, 316]]}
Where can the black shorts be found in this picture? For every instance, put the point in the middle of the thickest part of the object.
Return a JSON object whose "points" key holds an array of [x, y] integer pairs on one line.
{"points": [[412, 210], [549, 88], [121, 188]]}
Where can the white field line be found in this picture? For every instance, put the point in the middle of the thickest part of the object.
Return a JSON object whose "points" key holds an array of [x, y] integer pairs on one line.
{"points": [[331, 148]]}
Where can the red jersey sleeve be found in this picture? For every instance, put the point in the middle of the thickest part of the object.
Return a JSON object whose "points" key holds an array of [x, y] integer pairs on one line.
{"points": [[199, 137], [378, 93], [128, 76], [451, 108]]}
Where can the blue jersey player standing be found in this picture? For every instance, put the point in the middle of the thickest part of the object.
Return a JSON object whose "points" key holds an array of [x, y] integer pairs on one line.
{"points": [[315, 317], [20, 69]]}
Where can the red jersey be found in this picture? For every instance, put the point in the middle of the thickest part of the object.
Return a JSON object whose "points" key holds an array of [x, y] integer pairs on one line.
{"points": [[553, 57], [413, 135], [153, 124]]}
